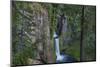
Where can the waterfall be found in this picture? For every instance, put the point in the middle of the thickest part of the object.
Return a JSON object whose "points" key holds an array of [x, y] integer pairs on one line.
{"points": [[61, 29], [56, 43]]}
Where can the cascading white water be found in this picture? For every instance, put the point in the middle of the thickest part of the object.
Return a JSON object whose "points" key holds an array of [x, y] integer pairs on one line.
{"points": [[56, 44], [56, 40]]}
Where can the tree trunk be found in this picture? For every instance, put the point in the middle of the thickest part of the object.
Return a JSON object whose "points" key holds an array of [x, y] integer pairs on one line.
{"points": [[82, 31]]}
